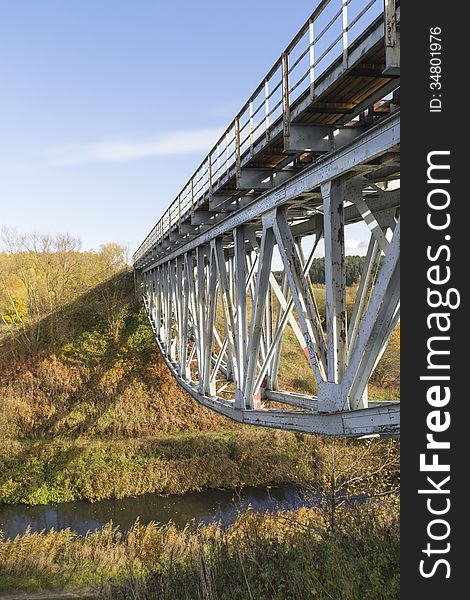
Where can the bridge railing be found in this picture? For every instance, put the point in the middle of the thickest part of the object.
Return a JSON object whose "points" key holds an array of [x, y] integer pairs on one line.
{"points": [[329, 32]]}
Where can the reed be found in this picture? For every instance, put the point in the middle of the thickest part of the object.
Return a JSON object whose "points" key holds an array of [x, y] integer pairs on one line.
{"points": [[282, 556]]}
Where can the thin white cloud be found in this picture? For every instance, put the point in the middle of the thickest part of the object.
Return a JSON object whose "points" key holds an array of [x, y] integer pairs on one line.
{"points": [[356, 247], [172, 143]]}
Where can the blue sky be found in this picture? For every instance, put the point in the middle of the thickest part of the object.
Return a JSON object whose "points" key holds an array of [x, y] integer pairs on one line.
{"points": [[107, 106]]}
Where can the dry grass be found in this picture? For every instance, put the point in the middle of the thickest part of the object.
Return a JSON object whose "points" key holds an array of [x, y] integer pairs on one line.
{"points": [[92, 380], [291, 555], [88, 380]]}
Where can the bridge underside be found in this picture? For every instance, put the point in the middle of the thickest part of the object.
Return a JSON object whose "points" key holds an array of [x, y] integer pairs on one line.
{"points": [[227, 276], [219, 310]]}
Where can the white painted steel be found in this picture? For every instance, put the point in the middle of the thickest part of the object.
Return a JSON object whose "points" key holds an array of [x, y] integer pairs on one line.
{"points": [[216, 266]]}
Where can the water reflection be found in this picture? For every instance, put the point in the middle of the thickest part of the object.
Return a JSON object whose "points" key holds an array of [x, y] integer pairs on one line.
{"points": [[200, 507]]}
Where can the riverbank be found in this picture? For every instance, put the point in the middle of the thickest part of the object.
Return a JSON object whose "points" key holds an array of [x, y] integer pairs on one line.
{"points": [[288, 555], [194, 508], [43, 471]]}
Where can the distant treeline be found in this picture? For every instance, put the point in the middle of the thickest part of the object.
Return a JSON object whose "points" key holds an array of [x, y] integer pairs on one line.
{"points": [[354, 266]]}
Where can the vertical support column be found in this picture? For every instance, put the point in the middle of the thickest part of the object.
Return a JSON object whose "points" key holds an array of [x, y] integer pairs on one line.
{"points": [[162, 306], [335, 279], [192, 305], [158, 314], [176, 295], [201, 311], [230, 363], [166, 300], [259, 302], [268, 335], [240, 295], [231, 276], [208, 386]]}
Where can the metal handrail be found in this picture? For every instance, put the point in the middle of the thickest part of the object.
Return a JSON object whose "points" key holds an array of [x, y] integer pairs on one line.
{"points": [[221, 159]]}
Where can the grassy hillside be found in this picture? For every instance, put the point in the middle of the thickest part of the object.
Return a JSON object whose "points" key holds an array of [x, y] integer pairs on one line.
{"points": [[95, 373]]}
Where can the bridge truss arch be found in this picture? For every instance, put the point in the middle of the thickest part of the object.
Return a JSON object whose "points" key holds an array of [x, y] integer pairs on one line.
{"points": [[227, 275]]}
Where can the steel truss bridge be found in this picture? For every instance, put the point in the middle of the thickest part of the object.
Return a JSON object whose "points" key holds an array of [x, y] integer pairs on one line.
{"points": [[313, 150]]}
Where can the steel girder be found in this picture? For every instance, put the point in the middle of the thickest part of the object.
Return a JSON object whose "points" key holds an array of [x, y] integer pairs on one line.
{"points": [[309, 101], [219, 312]]}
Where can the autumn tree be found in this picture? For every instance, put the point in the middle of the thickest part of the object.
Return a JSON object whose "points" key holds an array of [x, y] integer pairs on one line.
{"points": [[40, 273], [354, 471]]}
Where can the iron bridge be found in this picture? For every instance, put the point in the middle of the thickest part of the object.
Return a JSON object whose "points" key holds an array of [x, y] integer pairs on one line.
{"points": [[226, 269]]}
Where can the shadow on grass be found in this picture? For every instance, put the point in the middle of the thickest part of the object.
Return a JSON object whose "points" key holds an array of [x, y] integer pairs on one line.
{"points": [[80, 334]]}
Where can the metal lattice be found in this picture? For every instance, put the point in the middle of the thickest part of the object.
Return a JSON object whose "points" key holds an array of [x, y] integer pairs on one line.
{"points": [[218, 309]]}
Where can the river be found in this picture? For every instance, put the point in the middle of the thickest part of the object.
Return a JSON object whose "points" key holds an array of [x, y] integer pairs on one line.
{"points": [[197, 507]]}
